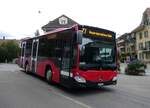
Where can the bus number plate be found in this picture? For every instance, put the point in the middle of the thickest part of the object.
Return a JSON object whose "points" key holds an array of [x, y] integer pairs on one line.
{"points": [[100, 84]]}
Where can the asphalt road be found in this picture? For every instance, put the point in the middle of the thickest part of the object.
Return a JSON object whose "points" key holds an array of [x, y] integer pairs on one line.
{"points": [[19, 90]]}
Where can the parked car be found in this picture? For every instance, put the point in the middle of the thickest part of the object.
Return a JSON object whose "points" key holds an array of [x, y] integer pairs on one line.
{"points": [[135, 67]]}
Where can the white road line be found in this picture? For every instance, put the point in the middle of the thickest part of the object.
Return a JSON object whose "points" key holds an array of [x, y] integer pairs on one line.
{"points": [[73, 100]]}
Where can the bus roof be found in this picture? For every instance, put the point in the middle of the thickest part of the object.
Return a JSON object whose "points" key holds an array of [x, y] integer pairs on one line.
{"points": [[76, 26], [51, 32]]}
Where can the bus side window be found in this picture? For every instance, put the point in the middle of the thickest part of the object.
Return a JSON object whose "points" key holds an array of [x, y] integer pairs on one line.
{"points": [[28, 48], [74, 57], [22, 49], [44, 49]]}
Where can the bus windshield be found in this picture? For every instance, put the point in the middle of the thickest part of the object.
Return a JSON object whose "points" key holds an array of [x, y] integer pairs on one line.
{"points": [[97, 54]]}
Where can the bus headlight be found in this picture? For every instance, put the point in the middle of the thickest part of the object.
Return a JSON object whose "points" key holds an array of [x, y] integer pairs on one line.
{"points": [[115, 78], [80, 79]]}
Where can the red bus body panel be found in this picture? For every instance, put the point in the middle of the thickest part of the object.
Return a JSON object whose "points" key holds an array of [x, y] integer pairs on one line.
{"points": [[96, 75], [41, 68]]}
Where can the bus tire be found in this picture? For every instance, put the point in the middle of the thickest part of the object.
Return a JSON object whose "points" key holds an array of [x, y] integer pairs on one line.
{"points": [[27, 68], [49, 75]]}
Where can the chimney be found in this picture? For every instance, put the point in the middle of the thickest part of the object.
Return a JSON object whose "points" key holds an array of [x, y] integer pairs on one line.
{"points": [[3, 37]]}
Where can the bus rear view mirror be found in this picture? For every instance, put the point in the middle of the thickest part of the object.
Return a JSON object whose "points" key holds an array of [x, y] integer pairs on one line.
{"points": [[79, 37]]}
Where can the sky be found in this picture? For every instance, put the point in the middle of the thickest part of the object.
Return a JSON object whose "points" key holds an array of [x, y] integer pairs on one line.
{"points": [[21, 18]]}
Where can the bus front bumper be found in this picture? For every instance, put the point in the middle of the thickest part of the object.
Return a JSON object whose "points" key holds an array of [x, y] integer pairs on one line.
{"points": [[94, 84]]}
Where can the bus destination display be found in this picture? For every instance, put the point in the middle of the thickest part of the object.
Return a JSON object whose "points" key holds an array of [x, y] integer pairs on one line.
{"points": [[96, 33]]}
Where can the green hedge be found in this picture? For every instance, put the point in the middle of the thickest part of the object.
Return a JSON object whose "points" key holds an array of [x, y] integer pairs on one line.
{"points": [[135, 68]]}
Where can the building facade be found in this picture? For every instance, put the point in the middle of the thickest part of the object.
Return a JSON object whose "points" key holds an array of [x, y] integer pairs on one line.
{"points": [[136, 44], [126, 44], [130, 44], [121, 43], [143, 37]]}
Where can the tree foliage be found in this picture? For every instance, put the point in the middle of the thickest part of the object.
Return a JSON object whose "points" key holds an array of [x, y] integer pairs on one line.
{"points": [[8, 51]]}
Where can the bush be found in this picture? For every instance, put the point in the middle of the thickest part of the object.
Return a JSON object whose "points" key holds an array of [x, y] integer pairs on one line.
{"points": [[8, 51], [135, 68]]}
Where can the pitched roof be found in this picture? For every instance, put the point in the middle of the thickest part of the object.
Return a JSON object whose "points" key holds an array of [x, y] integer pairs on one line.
{"points": [[139, 28], [52, 25]]}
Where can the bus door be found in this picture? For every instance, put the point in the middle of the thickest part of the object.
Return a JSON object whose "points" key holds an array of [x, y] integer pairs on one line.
{"points": [[66, 63], [34, 55], [22, 59]]}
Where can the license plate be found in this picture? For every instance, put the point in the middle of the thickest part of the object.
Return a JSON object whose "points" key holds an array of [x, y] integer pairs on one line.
{"points": [[100, 84]]}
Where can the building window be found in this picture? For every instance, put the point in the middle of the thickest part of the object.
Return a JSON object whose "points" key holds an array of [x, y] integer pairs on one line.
{"points": [[141, 56], [146, 44], [145, 33], [132, 48], [140, 46], [122, 50], [134, 35], [140, 35], [147, 55], [145, 22], [128, 49]]}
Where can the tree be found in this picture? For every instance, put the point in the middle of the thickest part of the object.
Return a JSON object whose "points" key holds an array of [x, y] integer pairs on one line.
{"points": [[3, 52], [8, 51]]}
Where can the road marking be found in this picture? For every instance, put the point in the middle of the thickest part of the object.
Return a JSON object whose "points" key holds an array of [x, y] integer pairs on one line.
{"points": [[73, 100]]}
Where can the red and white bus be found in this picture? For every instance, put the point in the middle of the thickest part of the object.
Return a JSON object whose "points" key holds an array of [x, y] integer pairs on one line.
{"points": [[77, 56]]}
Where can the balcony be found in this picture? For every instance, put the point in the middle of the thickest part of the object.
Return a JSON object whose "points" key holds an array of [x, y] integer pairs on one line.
{"points": [[120, 41], [145, 49]]}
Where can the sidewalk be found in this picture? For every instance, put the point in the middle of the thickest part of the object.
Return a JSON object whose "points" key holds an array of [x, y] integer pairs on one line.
{"points": [[122, 67], [148, 69]]}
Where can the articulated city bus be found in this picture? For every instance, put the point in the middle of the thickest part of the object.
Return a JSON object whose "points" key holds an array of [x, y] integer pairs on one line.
{"points": [[79, 56]]}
